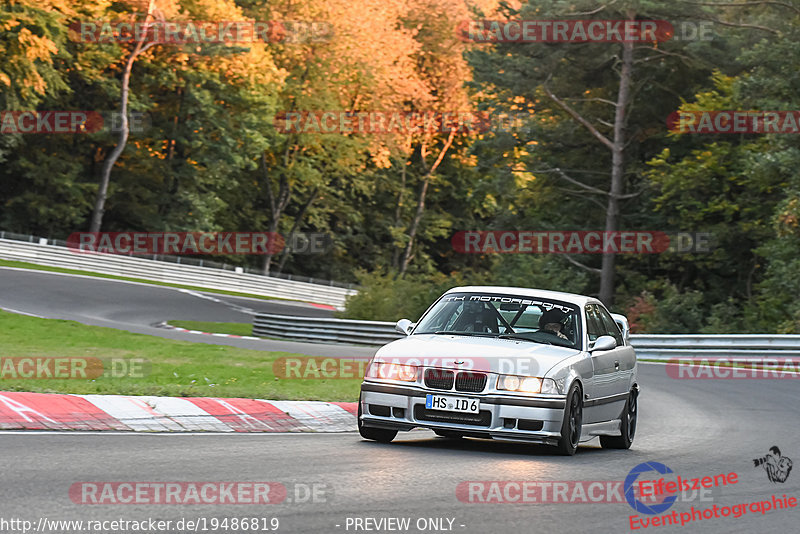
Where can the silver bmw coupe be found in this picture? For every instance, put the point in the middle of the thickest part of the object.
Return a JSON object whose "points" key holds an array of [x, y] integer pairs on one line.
{"points": [[506, 363]]}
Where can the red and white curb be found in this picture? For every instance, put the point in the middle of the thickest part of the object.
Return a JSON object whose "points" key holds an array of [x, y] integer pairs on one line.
{"points": [[45, 411], [179, 329]]}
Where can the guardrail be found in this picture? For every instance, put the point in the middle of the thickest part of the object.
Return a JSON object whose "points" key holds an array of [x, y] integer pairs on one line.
{"points": [[664, 347], [324, 330], [42, 252], [648, 346]]}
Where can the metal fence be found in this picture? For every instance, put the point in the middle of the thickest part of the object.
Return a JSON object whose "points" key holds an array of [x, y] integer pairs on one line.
{"points": [[664, 347], [323, 330], [650, 347], [171, 269]]}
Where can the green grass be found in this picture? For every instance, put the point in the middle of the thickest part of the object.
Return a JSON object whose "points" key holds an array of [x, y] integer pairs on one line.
{"points": [[176, 368], [238, 329], [35, 267]]}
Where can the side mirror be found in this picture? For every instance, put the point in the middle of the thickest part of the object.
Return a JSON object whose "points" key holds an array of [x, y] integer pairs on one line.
{"points": [[603, 343], [404, 326]]}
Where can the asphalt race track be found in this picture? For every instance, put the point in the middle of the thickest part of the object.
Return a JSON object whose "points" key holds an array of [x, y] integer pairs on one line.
{"points": [[139, 307], [697, 428]]}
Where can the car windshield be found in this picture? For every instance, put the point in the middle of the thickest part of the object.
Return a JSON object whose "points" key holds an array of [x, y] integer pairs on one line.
{"points": [[506, 316]]}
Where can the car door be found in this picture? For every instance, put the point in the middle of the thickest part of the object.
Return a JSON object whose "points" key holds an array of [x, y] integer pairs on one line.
{"points": [[624, 352], [606, 403], [600, 366]]}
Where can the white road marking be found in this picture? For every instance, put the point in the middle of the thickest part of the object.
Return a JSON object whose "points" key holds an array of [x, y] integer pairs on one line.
{"points": [[11, 310], [235, 307]]}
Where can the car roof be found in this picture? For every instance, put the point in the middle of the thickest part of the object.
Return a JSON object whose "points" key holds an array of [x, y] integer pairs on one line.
{"points": [[571, 298]]}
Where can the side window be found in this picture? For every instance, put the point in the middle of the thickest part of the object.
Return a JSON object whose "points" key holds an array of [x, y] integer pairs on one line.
{"points": [[594, 325], [610, 326]]}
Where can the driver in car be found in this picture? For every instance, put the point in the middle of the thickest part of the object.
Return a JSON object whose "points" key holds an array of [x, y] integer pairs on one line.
{"points": [[551, 322]]}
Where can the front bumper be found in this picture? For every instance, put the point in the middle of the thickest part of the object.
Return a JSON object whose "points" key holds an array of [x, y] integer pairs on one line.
{"points": [[503, 417]]}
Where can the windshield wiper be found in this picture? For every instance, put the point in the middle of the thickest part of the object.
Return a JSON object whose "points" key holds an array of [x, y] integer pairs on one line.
{"points": [[523, 338], [468, 334]]}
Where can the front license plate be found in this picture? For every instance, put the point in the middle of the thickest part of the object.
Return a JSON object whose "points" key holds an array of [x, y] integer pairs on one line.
{"points": [[452, 404]]}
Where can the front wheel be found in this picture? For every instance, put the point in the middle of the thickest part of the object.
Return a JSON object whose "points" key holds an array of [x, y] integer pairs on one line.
{"points": [[573, 419], [375, 434], [628, 425]]}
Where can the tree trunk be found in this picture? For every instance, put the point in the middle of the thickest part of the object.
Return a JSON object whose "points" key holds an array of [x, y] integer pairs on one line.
{"points": [[617, 171], [421, 201], [415, 224], [276, 205], [398, 212], [108, 164]]}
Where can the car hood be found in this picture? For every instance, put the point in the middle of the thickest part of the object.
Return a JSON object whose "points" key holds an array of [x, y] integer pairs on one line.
{"points": [[508, 356]]}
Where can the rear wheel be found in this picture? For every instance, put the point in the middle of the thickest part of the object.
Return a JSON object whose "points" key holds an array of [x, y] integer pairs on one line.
{"points": [[382, 435], [628, 425], [573, 419]]}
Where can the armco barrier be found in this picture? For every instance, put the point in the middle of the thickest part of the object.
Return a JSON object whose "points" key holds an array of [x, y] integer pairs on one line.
{"points": [[651, 347], [176, 273], [323, 330], [664, 347]]}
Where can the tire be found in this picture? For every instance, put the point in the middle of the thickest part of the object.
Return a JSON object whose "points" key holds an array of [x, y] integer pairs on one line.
{"points": [[449, 434], [573, 419], [382, 435], [629, 416]]}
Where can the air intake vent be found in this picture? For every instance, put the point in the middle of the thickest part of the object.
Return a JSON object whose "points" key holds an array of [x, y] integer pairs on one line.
{"points": [[439, 379], [482, 418], [471, 382]]}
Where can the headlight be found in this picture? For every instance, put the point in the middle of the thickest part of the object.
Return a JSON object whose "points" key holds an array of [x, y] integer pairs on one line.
{"points": [[392, 371], [509, 382], [526, 384]]}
